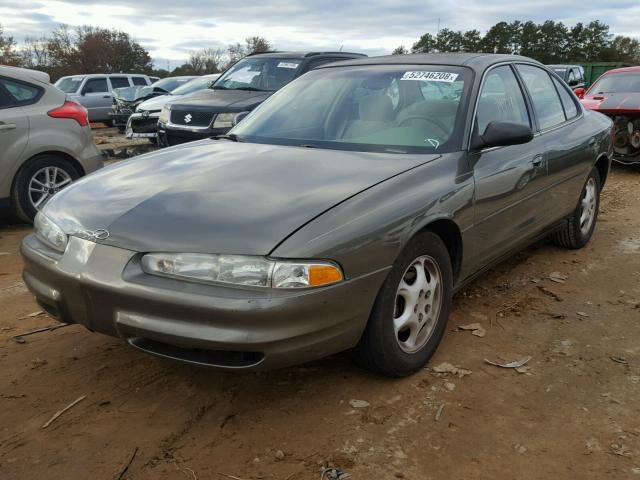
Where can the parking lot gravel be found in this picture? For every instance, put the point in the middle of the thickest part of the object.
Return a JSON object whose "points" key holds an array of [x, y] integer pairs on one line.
{"points": [[571, 411]]}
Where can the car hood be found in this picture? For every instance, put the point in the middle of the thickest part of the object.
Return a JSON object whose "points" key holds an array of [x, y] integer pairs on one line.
{"points": [[217, 101], [613, 102], [157, 103], [218, 196]]}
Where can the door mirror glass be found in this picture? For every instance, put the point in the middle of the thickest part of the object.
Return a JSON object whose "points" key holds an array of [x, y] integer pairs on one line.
{"points": [[502, 134]]}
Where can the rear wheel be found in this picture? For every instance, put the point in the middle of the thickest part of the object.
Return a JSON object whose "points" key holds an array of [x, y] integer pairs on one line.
{"points": [[578, 229], [37, 181], [411, 310]]}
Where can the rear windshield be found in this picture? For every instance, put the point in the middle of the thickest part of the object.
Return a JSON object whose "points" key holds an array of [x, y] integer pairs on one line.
{"points": [[69, 84], [398, 109], [617, 82], [259, 74]]}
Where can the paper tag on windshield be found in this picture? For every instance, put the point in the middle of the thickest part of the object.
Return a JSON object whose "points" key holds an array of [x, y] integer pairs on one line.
{"points": [[287, 65], [430, 76]]}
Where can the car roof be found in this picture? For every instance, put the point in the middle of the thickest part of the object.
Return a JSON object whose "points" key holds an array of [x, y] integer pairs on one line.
{"points": [[24, 74], [564, 65], [475, 61], [623, 70], [90, 75], [303, 55]]}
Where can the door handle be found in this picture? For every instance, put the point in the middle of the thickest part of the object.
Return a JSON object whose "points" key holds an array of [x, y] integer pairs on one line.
{"points": [[106, 96], [7, 126], [537, 160]]}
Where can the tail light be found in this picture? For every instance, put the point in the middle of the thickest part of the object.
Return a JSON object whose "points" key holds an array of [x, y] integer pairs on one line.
{"points": [[71, 110]]}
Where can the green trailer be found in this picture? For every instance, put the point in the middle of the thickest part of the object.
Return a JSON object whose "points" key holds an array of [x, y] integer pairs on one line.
{"points": [[593, 70]]}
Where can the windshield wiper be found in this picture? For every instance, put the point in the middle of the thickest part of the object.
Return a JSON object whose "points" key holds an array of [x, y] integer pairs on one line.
{"points": [[251, 89], [229, 136], [218, 87]]}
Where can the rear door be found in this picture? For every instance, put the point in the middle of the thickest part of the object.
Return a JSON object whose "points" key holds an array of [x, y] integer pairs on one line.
{"points": [[96, 98], [569, 147], [14, 128], [509, 181]]}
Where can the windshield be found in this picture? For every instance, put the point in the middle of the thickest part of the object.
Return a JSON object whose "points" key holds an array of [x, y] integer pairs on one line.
{"points": [[399, 109], [171, 83], [617, 82], [69, 84], [194, 85], [268, 74]]}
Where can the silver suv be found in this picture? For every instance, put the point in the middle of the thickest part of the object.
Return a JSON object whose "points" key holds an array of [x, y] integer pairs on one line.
{"points": [[94, 91], [45, 141]]}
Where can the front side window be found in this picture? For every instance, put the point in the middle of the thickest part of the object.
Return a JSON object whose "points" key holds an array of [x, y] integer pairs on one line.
{"points": [[568, 102], [365, 108], [139, 81], [501, 100], [21, 93], [617, 82], [96, 85], [544, 96], [69, 84], [572, 77], [119, 82], [267, 74]]}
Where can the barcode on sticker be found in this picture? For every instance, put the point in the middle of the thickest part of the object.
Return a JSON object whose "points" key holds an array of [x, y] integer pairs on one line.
{"points": [[430, 76], [287, 65]]}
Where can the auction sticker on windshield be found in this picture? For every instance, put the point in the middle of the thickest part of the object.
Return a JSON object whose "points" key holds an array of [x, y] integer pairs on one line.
{"points": [[287, 65], [431, 76]]}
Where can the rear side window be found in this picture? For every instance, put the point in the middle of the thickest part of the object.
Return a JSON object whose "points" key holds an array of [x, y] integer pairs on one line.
{"points": [[139, 81], [119, 82], [569, 105], [21, 93], [501, 100], [544, 96], [96, 85]]}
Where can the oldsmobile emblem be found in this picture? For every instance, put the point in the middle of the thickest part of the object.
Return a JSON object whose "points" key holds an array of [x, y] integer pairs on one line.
{"points": [[187, 118], [95, 235]]}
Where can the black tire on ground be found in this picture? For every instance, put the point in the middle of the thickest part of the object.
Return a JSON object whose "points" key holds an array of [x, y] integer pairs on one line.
{"points": [[571, 234], [21, 204], [379, 349]]}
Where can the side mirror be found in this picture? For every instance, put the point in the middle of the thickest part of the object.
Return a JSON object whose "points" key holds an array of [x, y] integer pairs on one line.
{"points": [[579, 92], [573, 83], [502, 134]]}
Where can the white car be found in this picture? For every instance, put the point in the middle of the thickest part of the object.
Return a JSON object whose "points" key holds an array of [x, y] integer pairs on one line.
{"points": [[144, 122]]}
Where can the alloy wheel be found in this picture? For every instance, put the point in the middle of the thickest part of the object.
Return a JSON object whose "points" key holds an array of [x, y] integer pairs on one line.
{"points": [[588, 206], [45, 183], [417, 304]]}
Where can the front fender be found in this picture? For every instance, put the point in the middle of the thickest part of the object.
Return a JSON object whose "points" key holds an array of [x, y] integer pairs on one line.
{"points": [[367, 233]]}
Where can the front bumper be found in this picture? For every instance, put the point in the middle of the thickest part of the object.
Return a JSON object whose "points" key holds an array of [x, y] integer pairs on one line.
{"points": [[142, 126], [104, 289], [169, 135]]}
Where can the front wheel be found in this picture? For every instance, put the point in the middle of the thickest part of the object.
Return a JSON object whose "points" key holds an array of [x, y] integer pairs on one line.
{"points": [[411, 310], [578, 229]]}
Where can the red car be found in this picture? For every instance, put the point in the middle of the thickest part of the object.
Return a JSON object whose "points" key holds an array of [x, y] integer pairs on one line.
{"points": [[617, 94]]}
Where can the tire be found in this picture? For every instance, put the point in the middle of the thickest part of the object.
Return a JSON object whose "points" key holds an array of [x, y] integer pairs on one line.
{"points": [[388, 350], [575, 233], [21, 200]]}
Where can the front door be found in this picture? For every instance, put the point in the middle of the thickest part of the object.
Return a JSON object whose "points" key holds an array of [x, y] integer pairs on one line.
{"points": [[509, 181], [96, 98]]}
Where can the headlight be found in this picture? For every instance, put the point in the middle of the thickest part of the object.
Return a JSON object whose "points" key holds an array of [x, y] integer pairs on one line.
{"points": [[224, 120], [49, 232], [242, 270], [164, 114]]}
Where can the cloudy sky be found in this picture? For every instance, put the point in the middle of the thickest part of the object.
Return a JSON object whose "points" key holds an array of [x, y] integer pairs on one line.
{"points": [[170, 29]]}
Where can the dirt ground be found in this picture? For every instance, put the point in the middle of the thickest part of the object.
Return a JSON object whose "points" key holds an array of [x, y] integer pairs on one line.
{"points": [[575, 413]]}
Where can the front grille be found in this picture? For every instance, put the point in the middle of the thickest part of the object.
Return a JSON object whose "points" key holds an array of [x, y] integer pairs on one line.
{"points": [[191, 119], [144, 125]]}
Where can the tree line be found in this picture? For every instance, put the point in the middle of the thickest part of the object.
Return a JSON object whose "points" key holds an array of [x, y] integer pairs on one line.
{"points": [[89, 49], [548, 42]]}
